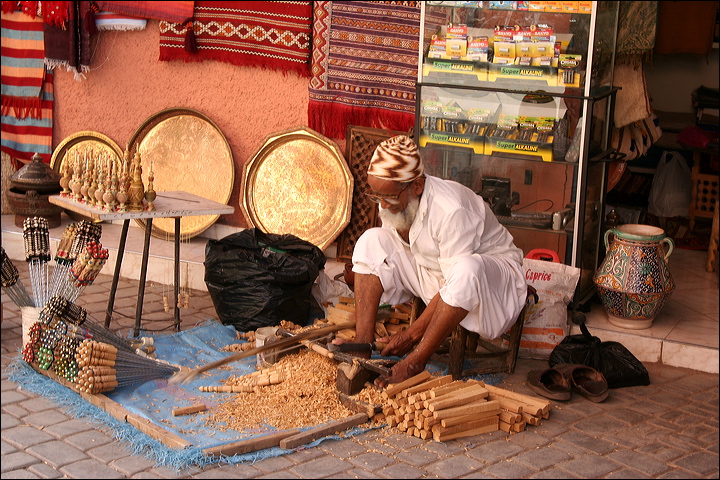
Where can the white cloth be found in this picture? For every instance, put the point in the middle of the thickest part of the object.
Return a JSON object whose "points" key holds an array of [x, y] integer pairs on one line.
{"points": [[458, 248]]}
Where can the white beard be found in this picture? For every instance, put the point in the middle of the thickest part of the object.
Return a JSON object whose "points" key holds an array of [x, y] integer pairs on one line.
{"points": [[400, 221]]}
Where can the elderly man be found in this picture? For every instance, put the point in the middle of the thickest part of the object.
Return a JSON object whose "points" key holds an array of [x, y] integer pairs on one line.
{"points": [[439, 241]]}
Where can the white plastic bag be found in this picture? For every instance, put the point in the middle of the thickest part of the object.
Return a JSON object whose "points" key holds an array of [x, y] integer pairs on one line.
{"points": [[327, 291], [671, 189], [546, 323]]}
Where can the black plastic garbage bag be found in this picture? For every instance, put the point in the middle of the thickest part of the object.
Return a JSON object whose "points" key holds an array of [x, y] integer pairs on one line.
{"points": [[257, 279], [620, 367]]}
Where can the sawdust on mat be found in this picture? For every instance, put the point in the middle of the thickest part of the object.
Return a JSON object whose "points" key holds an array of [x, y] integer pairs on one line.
{"points": [[307, 397]]}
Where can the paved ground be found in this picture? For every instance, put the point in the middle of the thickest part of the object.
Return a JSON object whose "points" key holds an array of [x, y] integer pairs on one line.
{"points": [[668, 429]]}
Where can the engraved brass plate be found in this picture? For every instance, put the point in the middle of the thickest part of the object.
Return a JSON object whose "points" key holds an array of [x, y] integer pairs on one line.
{"points": [[186, 152], [79, 144], [298, 183]]}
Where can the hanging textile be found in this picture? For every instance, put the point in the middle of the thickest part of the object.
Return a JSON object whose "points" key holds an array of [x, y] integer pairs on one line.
{"points": [[27, 95], [168, 11], [69, 47], [637, 26], [364, 66], [23, 69], [116, 21], [272, 35], [23, 137]]}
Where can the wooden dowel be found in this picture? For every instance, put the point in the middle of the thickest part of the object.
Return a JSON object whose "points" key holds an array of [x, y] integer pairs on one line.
{"points": [[543, 405], [251, 444], [471, 407], [392, 390], [427, 385], [323, 430], [466, 395], [200, 407], [449, 422], [467, 433]]}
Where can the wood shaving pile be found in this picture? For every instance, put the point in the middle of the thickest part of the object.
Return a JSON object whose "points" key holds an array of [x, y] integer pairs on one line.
{"points": [[308, 398]]}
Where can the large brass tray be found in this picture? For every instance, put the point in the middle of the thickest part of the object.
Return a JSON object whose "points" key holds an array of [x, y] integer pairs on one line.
{"points": [[186, 152], [298, 183], [79, 143]]}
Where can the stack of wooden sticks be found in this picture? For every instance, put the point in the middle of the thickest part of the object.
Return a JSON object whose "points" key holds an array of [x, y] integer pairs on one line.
{"points": [[437, 407]]}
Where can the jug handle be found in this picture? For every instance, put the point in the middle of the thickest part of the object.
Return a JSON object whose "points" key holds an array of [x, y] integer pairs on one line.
{"points": [[607, 234], [670, 245]]}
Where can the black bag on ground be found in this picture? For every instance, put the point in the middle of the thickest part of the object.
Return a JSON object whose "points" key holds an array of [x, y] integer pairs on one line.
{"points": [[620, 367], [257, 279]]}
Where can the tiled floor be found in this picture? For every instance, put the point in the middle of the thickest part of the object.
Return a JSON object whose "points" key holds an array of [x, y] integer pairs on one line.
{"points": [[684, 334]]}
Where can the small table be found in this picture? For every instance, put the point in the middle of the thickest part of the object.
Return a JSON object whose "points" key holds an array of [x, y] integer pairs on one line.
{"points": [[167, 205]]}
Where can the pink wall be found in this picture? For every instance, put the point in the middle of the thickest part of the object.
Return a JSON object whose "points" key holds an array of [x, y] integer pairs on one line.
{"points": [[127, 84]]}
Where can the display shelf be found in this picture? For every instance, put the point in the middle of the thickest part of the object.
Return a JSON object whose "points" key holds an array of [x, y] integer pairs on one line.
{"points": [[518, 106]]}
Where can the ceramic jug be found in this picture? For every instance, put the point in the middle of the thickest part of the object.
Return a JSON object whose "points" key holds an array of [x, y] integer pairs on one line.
{"points": [[634, 280]]}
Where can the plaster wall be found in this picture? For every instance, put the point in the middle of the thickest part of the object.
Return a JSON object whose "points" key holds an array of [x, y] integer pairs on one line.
{"points": [[127, 84]]}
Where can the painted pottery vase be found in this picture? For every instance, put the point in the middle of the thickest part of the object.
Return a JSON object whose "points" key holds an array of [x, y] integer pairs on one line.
{"points": [[634, 280]]}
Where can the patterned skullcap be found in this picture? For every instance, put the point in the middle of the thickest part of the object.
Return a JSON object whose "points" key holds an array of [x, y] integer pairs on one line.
{"points": [[397, 159]]}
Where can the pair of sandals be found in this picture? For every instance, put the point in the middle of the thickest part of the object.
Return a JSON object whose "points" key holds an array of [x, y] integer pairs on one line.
{"points": [[559, 382]]}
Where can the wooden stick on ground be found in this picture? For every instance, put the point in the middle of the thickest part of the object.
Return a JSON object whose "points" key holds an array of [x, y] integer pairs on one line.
{"points": [[185, 377]]}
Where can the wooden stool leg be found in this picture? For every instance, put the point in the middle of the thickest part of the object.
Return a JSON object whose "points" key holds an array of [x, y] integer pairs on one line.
{"points": [[457, 352]]}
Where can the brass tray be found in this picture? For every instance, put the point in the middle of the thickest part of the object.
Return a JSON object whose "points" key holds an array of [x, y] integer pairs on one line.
{"points": [[79, 143], [186, 152], [298, 183]]}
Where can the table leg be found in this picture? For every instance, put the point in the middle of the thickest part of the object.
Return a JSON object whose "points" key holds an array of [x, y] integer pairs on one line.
{"points": [[116, 275], [143, 275], [177, 274]]}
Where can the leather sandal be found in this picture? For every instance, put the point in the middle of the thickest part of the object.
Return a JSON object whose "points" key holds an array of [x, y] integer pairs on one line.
{"points": [[550, 384], [585, 380]]}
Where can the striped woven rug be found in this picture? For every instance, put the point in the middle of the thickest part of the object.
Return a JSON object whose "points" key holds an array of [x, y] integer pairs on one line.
{"points": [[364, 66], [272, 35], [27, 89]]}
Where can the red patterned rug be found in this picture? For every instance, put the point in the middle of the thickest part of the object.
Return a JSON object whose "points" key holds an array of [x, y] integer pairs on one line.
{"points": [[364, 66], [272, 35]]}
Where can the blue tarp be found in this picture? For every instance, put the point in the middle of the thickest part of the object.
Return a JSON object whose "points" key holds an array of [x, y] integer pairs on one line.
{"points": [[155, 400]]}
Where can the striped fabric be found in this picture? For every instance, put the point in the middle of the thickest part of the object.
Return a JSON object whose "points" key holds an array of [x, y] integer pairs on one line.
{"points": [[272, 35], [23, 53], [27, 89], [364, 65], [176, 12], [22, 138], [116, 21]]}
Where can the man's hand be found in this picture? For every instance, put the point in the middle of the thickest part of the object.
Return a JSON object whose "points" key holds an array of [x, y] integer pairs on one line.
{"points": [[401, 371], [398, 344], [366, 354]]}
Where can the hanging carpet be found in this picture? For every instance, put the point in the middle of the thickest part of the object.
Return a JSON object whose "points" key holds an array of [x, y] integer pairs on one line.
{"points": [[27, 89], [69, 46], [271, 35], [364, 66], [168, 11]]}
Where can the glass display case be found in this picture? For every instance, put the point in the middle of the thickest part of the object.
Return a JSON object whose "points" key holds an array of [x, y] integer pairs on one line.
{"points": [[515, 100]]}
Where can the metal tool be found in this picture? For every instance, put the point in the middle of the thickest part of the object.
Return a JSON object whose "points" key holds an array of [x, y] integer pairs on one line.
{"points": [[353, 372], [357, 347]]}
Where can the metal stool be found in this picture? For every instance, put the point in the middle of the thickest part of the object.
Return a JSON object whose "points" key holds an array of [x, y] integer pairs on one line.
{"points": [[495, 358]]}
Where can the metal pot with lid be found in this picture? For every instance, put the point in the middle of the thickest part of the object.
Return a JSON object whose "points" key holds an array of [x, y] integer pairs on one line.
{"points": [[30, 189], [36, 175]]}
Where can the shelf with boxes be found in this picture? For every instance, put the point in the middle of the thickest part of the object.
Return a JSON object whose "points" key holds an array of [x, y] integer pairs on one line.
{"points": [[515, 101]]}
